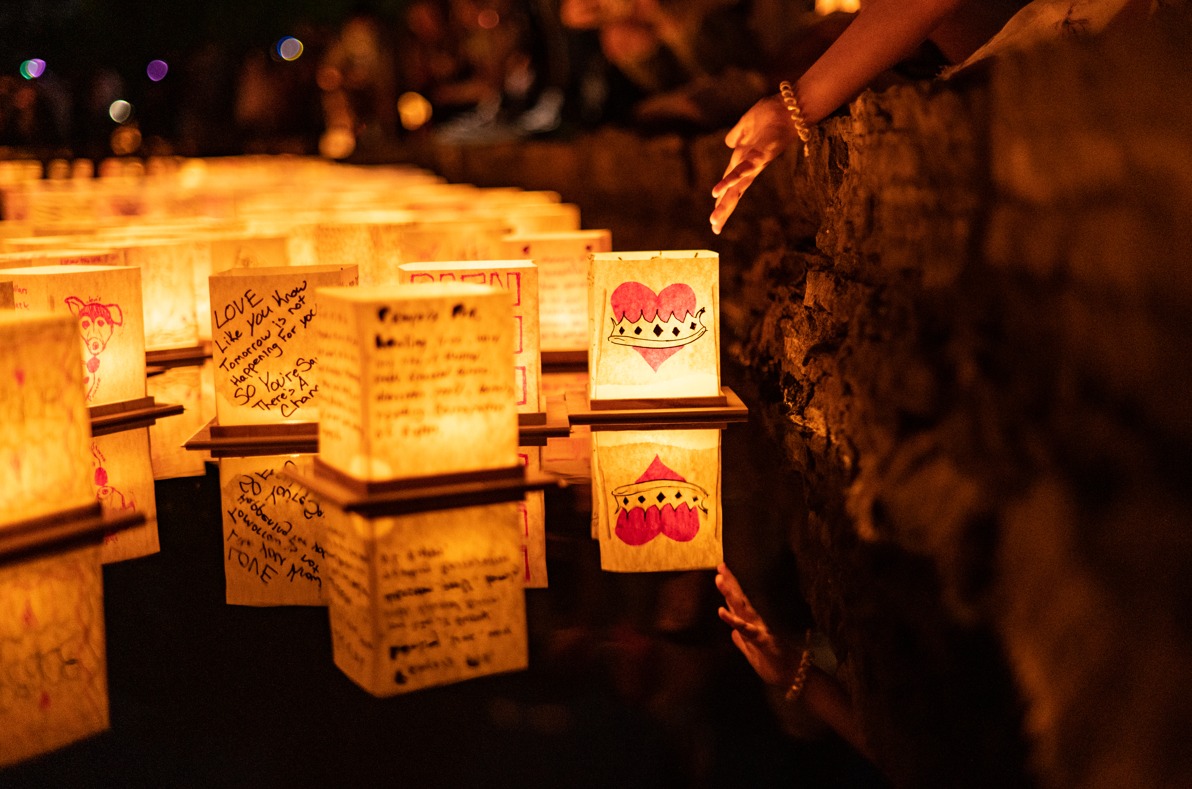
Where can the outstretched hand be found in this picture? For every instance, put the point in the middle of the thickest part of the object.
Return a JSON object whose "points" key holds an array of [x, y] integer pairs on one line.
{"points": [[774, 658], [759, 137]]}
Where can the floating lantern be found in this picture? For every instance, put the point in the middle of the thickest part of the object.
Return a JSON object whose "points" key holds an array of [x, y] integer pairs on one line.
{"points": [[249, 251], [346, 244], [44, 447], [656, 499], [520, 279], [168, 287], [52, 653], [529, 218], [562, 260], [79, 256], [426, 599], [122, 475], [416, 381], [106, 304], [7, 296], [274, 534], [266, 370], [446, 238], [655, 326]]}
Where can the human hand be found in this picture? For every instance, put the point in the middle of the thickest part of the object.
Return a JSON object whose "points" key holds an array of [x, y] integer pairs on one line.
{"points": [[759, 137], [774, 658]]}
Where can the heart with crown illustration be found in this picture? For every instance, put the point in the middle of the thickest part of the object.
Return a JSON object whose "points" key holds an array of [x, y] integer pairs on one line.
{"points": [[656, 325], [662, 502]]}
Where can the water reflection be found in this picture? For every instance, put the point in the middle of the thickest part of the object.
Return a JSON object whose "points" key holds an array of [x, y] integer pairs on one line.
{"points": [[122, 473], [192, 387]]}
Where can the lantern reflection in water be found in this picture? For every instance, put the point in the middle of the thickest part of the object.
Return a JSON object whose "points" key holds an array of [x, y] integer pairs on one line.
{"points": [[656, 499], [193, 387], [532, 524], [426, 599], [274, 534], [53, 665], [122, 473]]}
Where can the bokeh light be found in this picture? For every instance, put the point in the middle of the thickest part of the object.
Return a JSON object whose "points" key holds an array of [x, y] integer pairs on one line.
{"points": [[119, 110], [289, 48], [157, 70], [33, 68], [125, 140], [414, 110], [488, 19], [337, 143]]}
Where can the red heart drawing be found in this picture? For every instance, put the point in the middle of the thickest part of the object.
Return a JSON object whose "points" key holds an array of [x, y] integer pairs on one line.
{"points": [[634, 301], [654, 514]]}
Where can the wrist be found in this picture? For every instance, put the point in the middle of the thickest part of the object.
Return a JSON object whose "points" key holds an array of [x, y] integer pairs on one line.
{"points": [[790, 101]]}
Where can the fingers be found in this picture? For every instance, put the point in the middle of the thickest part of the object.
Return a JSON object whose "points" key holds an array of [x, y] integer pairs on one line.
{"points": [[738, 603], [738, 624], [725, 206]]}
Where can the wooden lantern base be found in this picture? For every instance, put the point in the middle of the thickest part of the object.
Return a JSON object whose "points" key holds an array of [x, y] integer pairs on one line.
{"points": [[295, 438], [191, 354], [60, 530], [126, 414], [550, 423], [416, 494], [726, 406]]}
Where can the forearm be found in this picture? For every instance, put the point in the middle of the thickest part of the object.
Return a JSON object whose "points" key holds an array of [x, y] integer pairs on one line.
{"points": [[883, 33]]}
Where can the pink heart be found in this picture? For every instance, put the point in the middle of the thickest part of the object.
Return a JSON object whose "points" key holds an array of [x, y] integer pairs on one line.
{"points": [[634, 301], [19, 374]]}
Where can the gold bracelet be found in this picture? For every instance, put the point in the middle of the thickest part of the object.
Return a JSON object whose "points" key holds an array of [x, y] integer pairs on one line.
{"points": [[796, 688], [787, 91]]}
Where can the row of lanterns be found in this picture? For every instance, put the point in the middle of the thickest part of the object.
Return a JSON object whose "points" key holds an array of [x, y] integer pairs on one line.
{"points": [[383, 397]]}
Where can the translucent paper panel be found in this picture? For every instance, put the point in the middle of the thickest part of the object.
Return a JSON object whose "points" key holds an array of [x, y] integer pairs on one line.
{"points": [[122, 474]]}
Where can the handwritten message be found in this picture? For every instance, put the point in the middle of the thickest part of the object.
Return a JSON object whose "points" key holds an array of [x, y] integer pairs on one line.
{"points": [[447, 603], [53, 666], [418, 385], [520, 279], [274, 535], [262, 321]]}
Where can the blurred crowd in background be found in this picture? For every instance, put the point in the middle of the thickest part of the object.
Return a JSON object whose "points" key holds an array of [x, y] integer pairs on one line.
{"points": [[464, 70]]}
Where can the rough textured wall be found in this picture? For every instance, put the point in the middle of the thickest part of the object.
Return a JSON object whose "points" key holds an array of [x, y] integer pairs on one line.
{"points": [[967, 317]]}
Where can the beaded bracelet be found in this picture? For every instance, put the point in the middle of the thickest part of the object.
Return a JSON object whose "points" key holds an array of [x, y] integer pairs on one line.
{"points": [[787, 91], [796, 688]]}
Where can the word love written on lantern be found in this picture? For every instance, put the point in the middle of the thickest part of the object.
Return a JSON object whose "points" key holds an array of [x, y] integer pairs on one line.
{"points": [[265, 368], [655, 329]]}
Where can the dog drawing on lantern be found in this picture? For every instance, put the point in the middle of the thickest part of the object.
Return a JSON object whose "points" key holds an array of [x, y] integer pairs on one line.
{"points": [[97, 322], [105, 494]]}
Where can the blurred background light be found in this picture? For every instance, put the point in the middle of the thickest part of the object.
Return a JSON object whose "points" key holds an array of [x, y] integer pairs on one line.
{"points": [[414, 110], [157, 70], [33, 68], [289, 48], [119, 110]]}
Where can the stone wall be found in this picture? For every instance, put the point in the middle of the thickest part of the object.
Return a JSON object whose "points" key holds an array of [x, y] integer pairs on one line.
{"points": [[967, 317]]}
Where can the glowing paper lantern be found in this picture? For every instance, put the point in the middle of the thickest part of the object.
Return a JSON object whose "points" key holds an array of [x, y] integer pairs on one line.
{"points": [[248, 251], [274, 535], [106, 303], [520, 279], [426, 599], [122, 474], [168, 286], [656, 499], [266, 370], [46, 437], [655, 326], [346, 244], [453, 239], [416, 381], [52, 653], [542, 217], [562, 260], [54, 256], [7, 297]]}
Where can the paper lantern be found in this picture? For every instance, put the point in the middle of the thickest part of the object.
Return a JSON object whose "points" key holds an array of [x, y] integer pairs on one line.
{"points": [[168, 287], [656, 499], [77, 256], [266, 371], [122, 475], [532, 522], [53, 664], [273, 534], [655, 325], [562, 260], [16, 259], [46, 437], [520, 279], [7, 296], [426, 599], [106, 303], [461, 238], [193, 387], [416, 381], [246, 250], [542, 217], [346, 244]]}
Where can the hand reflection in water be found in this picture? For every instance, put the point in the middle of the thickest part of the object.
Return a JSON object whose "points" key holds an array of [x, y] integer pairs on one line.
{"points": [[775, 658]]}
